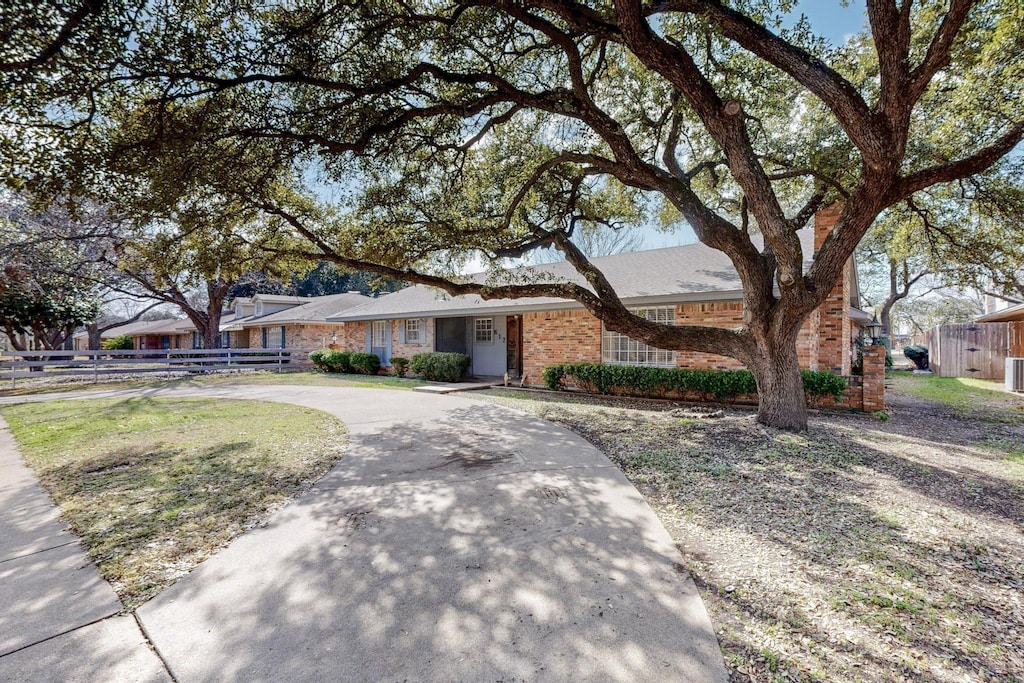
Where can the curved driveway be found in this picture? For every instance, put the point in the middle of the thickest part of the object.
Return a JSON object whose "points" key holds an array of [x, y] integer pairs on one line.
{"points": [[455, 541]]}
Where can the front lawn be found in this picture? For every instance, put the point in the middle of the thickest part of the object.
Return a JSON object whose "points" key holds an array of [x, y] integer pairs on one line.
{"points": [[155, 486], [863, 550]]}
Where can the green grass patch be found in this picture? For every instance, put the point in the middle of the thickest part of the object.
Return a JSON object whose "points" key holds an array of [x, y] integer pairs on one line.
{"points": [[963, 393], [155, 486]]}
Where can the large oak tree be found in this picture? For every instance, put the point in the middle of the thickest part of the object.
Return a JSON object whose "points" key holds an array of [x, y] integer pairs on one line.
{"points": [[416, 132]]}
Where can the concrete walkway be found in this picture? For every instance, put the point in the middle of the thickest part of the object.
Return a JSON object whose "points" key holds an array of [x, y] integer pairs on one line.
{"points": [[455, 541], [59, 620]]}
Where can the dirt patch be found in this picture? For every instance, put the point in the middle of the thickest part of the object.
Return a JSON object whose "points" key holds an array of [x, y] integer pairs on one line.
{"points": [[862, 550]]}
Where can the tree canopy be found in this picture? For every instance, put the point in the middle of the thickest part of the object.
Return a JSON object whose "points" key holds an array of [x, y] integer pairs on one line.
{"points": [[400, 137]]}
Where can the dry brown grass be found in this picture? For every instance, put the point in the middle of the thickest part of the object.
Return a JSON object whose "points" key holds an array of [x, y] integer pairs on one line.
{"points": [[863, 550]]}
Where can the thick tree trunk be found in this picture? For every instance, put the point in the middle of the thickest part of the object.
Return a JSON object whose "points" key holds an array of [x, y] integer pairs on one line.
{"points": [[211, 338], [780, 388], [95, 336]]}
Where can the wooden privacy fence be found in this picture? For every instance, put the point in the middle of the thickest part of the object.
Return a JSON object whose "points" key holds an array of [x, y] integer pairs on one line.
{"points": [[974, 349], [15, 365], [1015, 339]]}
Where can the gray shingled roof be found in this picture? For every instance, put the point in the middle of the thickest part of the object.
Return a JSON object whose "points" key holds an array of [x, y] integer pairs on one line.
{"points": [[693, 272], [315, 310], [281, 298], [135, 328], [165, 326]]}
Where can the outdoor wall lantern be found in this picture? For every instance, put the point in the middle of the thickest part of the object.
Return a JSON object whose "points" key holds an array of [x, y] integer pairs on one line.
{"points": [[874, 329]]}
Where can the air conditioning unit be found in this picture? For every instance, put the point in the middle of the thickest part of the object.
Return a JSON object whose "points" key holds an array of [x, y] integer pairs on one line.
{"points": [[1015, 374]]}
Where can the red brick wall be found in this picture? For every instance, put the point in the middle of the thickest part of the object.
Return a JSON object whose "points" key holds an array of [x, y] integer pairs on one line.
{"points": [[551, 337], [314, 336], [575, 337], [807, 342], [352, 337], [711, 314], [408, 350]]}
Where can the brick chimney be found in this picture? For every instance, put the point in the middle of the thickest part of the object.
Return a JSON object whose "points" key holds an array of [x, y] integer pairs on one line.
{"points": [[832, 319], [824, 220]]}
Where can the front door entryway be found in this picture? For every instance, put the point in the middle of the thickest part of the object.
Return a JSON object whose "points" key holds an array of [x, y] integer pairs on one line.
{"points": [[380, 340], [514, 345]]}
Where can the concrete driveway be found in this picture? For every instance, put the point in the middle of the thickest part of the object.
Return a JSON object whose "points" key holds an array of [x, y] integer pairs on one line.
{"points": [[455, 541]]}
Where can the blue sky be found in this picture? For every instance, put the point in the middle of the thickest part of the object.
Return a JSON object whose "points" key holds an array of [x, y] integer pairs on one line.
{"points": [[830, 19]]}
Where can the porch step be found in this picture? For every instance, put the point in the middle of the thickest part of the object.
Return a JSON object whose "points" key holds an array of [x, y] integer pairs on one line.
{"points": [[457, 386]]}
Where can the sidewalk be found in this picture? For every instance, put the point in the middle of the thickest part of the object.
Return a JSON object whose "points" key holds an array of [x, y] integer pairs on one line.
{"points": [[455, 541], [58, 618]]}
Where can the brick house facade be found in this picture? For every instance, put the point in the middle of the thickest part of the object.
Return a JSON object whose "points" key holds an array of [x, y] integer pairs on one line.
{"points": [[696, 288]]}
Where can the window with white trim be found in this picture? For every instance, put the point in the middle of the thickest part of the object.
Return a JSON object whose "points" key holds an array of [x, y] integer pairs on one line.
{"points": [[413, 331], [618, 349], [484, 330]]}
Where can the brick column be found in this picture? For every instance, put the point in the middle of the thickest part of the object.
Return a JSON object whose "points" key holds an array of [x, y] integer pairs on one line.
{"points": [[874, 378]]}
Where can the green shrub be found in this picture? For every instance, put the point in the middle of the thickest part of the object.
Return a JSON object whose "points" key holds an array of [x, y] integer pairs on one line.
{"points": [[438, 366], [644, 381], [400, 365], [123, 343], [823, 383], [317, 358], [365, 363], [330, 360]]}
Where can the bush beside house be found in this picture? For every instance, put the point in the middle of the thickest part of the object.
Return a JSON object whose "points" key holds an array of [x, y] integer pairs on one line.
{"points": [[365, 363], [439, 366], [330, 360]]}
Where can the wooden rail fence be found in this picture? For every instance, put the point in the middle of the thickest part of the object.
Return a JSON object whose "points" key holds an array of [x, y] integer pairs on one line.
{"points": [[15, 365]]}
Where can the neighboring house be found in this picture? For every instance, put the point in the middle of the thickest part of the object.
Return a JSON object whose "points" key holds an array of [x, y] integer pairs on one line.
{"points": [[684, 285], [271, 321], [274, 321], [134, 330], [173, 333], [169, 333], [1003, 314]]}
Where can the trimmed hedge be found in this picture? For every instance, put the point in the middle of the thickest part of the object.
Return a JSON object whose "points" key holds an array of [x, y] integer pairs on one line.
{"points": [[329, 360], [438, 366], [365, 363], [823, 383], [596, 378]]}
